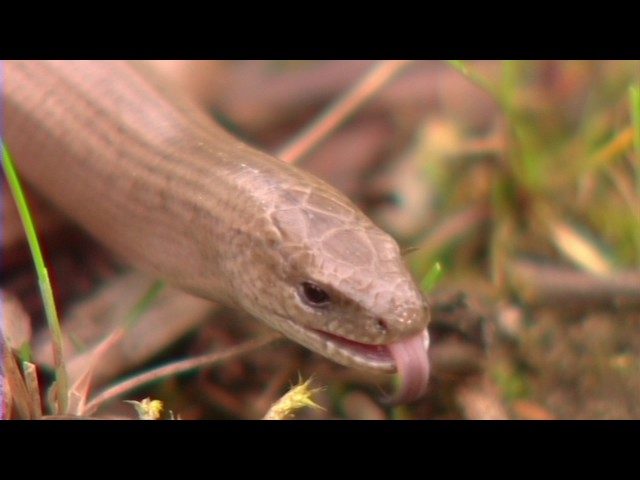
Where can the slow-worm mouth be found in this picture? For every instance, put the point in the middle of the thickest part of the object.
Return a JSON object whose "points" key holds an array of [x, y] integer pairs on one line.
{"points": [[375, 354], [350, 353], [408, 358]]}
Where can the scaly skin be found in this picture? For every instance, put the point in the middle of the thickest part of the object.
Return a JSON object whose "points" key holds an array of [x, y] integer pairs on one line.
{"points": [[159, 182]]}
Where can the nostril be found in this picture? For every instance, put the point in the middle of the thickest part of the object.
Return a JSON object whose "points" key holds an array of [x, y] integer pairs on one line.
{"points": [[381, 325]]}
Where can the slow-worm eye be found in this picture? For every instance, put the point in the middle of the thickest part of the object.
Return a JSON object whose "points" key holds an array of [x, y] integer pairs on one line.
{"points": [[313, 295]]}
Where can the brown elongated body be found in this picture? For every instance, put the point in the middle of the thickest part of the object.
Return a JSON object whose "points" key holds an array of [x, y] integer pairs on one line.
{"points": [[159, 182]]}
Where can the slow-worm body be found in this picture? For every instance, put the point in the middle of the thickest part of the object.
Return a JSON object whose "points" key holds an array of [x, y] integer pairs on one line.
{"points": [[156, 180]]}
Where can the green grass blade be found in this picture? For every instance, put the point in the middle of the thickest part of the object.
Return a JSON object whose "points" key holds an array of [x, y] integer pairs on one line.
{"points": [[431, 279], [144, 304], [44, 283], [634, 94], [461, 67]]}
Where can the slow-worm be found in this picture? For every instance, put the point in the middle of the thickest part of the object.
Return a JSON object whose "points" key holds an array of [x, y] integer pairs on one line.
{"points": [[154, 178]]}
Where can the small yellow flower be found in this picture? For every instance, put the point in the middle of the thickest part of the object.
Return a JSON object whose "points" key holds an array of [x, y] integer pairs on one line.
{"points": [[296, 398], [147, 409]]}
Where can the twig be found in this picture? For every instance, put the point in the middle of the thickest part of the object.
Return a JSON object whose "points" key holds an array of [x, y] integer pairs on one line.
{"points": [[377, 77], [546, 285], [177, 368]]}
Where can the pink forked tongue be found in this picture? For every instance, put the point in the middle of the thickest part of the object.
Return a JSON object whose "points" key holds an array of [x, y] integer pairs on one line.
{"points": [[413, 367]]}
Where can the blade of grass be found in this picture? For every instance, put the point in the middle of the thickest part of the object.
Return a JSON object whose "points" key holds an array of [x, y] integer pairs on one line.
{"points": [[578, 248], [143, 304], [431, 279], [619, 145], [44, 282], [634, 96], [461, 67]]}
